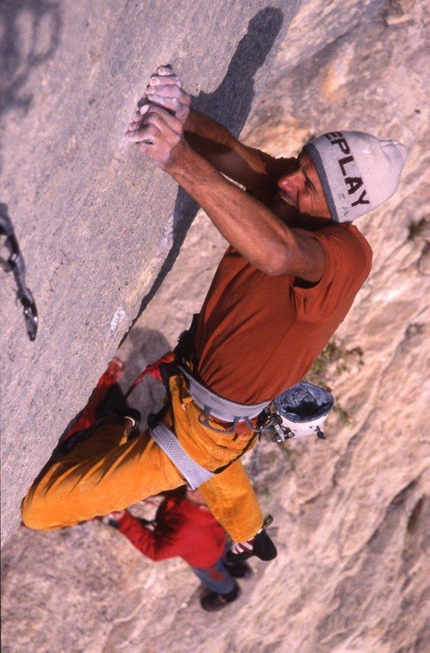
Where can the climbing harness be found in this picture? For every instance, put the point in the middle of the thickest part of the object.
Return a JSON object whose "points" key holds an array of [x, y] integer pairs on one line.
{"points": [[299, 411], [15, 263], [194, 473], [217, 407]]}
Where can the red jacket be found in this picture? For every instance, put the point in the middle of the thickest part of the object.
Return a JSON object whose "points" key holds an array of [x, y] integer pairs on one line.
{"points": [[182, 529]]}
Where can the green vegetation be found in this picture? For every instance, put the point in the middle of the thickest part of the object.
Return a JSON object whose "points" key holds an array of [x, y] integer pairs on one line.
{"points": [[333, 361]]}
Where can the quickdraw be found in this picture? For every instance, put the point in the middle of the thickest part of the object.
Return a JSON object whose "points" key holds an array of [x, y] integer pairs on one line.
{"points": [[15, 263]]}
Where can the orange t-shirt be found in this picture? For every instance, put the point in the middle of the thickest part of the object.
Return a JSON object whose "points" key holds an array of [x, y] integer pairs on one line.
{"points": [[258, 335]]}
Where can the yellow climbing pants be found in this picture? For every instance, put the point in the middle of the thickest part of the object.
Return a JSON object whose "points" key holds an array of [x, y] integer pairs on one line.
{"points": [[107, 473]]}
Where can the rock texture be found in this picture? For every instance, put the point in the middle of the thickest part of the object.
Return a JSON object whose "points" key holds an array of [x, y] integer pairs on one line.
{"points": [[352, 514]]}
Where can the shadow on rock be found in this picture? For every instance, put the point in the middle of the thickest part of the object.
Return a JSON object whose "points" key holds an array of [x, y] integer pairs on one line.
{"points": [[23, 51], [21, 55]]}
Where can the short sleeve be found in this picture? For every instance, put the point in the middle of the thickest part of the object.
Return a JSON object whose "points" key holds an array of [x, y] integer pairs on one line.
{"points": [[349, 260]]}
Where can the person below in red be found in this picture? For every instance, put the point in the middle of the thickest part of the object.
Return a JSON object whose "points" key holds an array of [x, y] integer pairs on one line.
{"points": [[185, 527]]}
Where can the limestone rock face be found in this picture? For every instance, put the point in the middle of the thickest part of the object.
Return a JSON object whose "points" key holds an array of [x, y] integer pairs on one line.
{"points": [[352, 514]]}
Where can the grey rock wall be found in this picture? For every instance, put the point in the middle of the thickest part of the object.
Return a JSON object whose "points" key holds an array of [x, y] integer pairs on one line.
{"points": [[352, 514], [98, 228]]}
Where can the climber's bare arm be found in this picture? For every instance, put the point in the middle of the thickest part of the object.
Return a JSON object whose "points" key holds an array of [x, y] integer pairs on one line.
{"points": [[217, 145], [249, 226]]}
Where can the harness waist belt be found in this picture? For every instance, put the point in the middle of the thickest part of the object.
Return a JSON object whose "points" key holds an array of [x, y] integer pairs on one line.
{"points": [[219, 407], [194, 473]]}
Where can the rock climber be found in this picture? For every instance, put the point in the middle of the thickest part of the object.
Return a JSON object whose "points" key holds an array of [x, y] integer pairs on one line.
{"points": [[287, 280]]}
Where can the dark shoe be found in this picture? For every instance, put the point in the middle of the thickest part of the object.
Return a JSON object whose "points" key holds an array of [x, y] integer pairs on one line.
{"points": [[240, 570], [262, 547], [211, 601]]}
